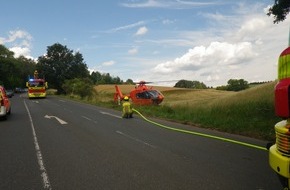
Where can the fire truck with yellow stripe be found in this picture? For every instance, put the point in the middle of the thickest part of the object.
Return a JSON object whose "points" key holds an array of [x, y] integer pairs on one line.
{"points": [[279, 153], [36, 86]]}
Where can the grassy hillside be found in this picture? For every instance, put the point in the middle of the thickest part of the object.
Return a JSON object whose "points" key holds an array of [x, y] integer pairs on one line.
{"points": [[249, 112]]}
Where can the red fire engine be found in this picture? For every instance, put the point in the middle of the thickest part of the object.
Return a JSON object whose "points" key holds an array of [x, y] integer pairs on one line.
{"points": [[36, 86]]}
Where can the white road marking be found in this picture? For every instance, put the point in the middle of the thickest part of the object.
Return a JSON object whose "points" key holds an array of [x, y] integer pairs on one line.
{"points": [[106, 113], [58, 119], [89, 119], [45, 179], [135, 139], [86, 118]]}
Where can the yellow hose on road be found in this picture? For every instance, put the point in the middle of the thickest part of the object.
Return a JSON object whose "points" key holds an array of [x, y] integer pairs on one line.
{"points": [[201, 134]]}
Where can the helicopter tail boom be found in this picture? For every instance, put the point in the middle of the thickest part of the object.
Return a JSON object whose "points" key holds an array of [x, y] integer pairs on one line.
{"points": [[118, 94]]}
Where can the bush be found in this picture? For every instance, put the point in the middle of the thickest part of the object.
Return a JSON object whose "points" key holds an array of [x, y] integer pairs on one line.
{"points": [[81, 87]]}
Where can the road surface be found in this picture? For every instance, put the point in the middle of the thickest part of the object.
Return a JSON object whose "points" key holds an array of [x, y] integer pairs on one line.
{"points": [[59, 144]]}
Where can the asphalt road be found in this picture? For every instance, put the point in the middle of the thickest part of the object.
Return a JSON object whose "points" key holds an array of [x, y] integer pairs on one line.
{"points": [[59, 144]]}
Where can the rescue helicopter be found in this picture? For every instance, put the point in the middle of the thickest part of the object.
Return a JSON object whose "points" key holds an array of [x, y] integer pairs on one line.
{"points": [[141, 95]]}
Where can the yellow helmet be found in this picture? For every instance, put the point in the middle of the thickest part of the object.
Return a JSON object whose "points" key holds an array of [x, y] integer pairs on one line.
{"points": [[126, 98]]}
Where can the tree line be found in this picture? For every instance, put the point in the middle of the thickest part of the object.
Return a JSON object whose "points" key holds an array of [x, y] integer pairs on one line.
{"points": [[235, 85], [66, 71], [190, 84], [232, 85], [14, 71], [63, 68]]}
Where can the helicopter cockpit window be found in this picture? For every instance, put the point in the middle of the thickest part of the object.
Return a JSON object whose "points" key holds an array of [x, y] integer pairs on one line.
{"points": [[143, 95], [153, 93]]}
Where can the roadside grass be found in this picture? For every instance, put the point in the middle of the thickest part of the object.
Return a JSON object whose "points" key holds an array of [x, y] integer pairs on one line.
{"points": [[250, 112]]}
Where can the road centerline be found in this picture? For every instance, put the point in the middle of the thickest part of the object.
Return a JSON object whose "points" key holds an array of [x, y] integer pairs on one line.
{"points": [[86, 118], [135, 139], [106, 113]]}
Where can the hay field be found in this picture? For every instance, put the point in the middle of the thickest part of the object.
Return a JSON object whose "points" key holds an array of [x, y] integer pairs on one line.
{"points": [[173, 96], [193, 97]]}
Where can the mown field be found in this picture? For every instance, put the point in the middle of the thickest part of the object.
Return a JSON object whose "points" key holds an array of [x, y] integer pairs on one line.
{"points": [[249, 112]]}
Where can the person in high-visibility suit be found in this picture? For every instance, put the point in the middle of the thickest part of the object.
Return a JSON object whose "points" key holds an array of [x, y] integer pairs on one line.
{"points": [[127, 110]]}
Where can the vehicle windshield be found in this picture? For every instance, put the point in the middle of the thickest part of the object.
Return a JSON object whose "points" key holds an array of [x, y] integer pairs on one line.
{"points": [[36, 83]]}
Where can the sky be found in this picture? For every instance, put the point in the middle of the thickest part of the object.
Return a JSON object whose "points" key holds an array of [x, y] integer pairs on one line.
{"points": [[160, 41]]}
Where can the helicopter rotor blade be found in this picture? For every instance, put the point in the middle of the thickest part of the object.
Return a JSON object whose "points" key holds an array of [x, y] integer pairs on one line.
{"points": [[142, 82]]}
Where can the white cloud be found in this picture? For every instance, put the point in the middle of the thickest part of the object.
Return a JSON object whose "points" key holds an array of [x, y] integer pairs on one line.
{"points": [[19, 42], [108, 63], [217, 53], [244, 46], [18, 51], [215, 16], [149, 3], [129, 26], [243, 43], [167, 21], [91, 70], [212, 78], [133, 51], [141, 31], [176, 4], [18, 34]]}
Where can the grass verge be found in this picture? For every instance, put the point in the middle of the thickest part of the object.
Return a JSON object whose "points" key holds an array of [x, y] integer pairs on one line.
{"points": [[250, 112]]}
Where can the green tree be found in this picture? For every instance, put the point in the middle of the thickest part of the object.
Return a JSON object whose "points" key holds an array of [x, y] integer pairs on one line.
{"points": [[6, 53], [237, 85], [6, 64], [104, 78], [117, 80], [129, 81], [223, 87], [25, 67], [280, 10], [96, 77], [82, 87], [190, 84], [14, 71], [184, 84], [60, 64], [107, 79], [198, 85]]}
